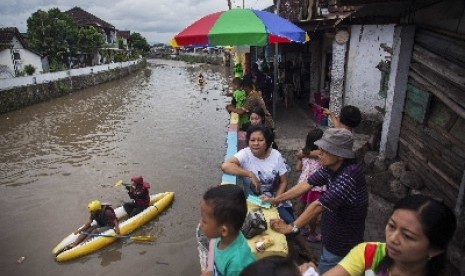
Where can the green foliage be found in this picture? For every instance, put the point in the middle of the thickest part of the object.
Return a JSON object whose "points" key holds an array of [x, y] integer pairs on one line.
{"points": [[51, 32], [120, 57], [20, 73], [29, 69], [138, 42], [90, 38], [62, 88], [56, 66], [121, 44]]}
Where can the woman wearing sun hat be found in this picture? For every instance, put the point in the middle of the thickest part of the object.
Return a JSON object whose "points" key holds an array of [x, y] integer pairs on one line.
{"points": [[343, 206]]}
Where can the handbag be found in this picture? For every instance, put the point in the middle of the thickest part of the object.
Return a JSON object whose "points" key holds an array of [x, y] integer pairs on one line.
{"points": [[254, 224]]}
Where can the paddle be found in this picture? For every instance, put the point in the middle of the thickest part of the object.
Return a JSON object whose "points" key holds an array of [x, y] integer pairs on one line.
{"points": [[120, 182], [149, 238]]}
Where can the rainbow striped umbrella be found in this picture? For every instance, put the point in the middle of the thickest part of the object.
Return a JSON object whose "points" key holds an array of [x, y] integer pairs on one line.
{"points": [[240, 27]]}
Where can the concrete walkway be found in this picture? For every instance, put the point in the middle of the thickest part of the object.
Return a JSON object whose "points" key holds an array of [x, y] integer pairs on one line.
{"points": [[292, 126]]}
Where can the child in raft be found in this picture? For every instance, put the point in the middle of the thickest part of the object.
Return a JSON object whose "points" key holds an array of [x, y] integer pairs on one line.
{"points": [[223, 210], [138, 191]]}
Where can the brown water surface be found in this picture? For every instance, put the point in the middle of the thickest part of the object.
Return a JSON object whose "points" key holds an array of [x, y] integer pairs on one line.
{"points": [[57, 156]]}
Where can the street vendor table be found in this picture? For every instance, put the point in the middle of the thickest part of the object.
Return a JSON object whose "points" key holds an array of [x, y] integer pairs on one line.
{"points": [[280, 244]]}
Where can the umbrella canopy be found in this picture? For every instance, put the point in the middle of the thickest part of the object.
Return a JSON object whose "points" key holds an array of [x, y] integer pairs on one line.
{"points": [[240, 27]]}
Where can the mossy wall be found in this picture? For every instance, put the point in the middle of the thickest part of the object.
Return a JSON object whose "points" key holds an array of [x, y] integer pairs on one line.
{"points": [[19, 97]]}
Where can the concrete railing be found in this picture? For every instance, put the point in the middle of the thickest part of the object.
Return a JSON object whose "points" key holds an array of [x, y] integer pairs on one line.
{"points": [[48, 77]]}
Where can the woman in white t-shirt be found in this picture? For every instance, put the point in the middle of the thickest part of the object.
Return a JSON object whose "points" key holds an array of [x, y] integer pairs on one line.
{"points": [[263, 169]]}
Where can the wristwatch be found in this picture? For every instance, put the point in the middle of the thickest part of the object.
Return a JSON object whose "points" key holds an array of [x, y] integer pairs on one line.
{"points": [[295, 229]]}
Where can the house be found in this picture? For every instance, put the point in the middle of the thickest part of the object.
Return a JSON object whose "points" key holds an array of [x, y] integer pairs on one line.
{"points": [[123, 36], [402, 63], [84, 19], [14, 54]]}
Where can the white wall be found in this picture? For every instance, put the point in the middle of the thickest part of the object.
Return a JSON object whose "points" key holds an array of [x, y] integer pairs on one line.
{"points": [[362, 83], [28, 57], [5, 59], [44, 78]]}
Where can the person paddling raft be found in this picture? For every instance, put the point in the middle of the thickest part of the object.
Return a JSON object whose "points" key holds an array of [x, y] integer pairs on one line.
{"points": [[201, 80], [105, 217], [138, 191]]}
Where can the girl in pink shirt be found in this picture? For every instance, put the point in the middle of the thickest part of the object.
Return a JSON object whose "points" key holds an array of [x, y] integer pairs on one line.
{"points": [[309, 165]]}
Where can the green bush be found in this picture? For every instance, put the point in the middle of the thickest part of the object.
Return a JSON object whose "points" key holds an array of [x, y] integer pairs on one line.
{"points": [[20, 73], [120, 57], [29, 69]]}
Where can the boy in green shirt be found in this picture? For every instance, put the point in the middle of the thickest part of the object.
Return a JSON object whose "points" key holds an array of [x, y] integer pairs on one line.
{"points": [[238, 95], [223, 210]]}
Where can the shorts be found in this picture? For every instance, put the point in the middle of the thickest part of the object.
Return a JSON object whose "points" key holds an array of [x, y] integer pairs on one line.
{"points": [[310, 196]]}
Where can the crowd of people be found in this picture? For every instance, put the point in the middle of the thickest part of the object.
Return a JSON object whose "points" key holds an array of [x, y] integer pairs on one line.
{"points": [[332, 189]]}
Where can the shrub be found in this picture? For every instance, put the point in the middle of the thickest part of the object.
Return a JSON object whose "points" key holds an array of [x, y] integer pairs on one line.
{"points": [[29, 69]]}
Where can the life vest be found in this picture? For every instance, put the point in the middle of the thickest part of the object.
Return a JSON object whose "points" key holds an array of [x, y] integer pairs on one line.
{"points": [[101, 218], [141, 195]]}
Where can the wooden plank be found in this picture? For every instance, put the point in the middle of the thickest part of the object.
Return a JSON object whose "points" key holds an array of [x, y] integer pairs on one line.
{"points": [[443, 165], [448, 70], [458, 129], [448, 180], [450, 48], [457, 145], [442, 115], [413, 151], [433, 182], [431, 148], [445, 86], [436, 91]]}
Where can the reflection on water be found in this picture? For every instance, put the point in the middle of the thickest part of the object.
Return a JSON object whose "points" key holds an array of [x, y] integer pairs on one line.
{"points": [[58, 155]]}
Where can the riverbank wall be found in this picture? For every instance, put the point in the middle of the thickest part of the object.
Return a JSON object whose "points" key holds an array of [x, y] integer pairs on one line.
{"points": [[21, 92], [191, 58]]}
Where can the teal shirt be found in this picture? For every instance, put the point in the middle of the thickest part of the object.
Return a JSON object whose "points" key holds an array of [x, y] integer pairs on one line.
{"points": [[234, 258]]}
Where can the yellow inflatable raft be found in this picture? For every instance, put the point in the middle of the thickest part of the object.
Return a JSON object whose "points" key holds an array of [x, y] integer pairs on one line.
{"points": [[159, 202]]}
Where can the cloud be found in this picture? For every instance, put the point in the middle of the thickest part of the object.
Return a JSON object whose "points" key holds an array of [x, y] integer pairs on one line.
{"points": [[157, 21]]}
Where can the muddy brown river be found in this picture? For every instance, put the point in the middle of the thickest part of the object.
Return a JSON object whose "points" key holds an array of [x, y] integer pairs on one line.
{"points": [[57, 156]]}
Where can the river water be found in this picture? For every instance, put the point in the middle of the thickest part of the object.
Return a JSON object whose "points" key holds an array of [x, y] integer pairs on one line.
{"points": [[57, 156]]}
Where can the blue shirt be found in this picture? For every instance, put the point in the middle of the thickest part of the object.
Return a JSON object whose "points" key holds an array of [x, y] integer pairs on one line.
{"points": [[345, 206]]}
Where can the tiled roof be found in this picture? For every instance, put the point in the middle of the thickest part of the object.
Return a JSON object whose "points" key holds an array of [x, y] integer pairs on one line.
{"points": [[83, 18], [123, 34], [7, 34]]}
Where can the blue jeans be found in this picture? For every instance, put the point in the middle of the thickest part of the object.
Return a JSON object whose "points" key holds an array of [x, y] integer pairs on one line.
{"points": [[327, 261], [286, 214]]}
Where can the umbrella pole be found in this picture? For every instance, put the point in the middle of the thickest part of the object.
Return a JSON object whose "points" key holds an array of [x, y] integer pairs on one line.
{"points": [[276, 80], [276, 77]]}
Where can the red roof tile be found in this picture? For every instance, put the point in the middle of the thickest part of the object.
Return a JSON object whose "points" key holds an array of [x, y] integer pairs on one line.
{"points": [[83, 18]]}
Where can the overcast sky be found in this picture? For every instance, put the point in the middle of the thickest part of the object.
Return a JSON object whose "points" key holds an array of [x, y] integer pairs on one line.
{"points": [[156, 20]]}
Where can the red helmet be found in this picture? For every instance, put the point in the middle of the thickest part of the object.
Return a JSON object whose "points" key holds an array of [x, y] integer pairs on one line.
{"points": [[137, 180]]}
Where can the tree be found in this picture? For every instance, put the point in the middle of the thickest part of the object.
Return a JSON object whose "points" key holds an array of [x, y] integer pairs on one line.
{"points": [[138, 42], [90, 38], [51, 33]]}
